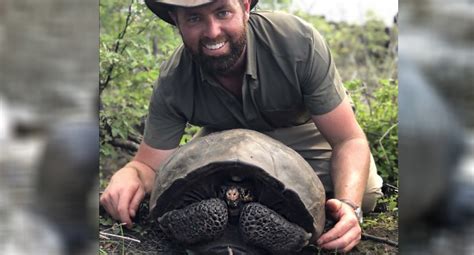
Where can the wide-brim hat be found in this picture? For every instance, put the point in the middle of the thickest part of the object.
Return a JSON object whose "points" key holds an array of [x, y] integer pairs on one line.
{"points": [[161, 7]]}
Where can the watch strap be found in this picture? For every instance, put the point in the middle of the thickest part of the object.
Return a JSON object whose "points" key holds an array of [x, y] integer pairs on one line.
{"points": [[357, 209], [349, 203]]}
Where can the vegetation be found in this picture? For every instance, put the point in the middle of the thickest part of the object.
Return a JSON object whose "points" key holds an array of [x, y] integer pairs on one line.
{"points": [[377, 114], [133, 44]]}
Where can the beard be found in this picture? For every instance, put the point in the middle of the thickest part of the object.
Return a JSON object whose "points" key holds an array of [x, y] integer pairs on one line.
{"points": [[224, 63]]}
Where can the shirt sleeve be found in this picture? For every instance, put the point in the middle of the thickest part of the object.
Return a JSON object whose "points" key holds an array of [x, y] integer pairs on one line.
{"points": [[164, 125], [321, 85]]}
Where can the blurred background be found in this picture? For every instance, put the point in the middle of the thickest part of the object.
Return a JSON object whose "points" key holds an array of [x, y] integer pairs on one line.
{"points": [[436, 116], [48, 126], [54, 70]]}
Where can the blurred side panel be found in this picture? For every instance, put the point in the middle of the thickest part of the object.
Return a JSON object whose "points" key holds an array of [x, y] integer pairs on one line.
{"points": [[48, 126], [436, 102]]}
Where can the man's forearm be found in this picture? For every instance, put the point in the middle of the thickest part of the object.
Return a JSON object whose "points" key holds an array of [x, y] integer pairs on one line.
{"points": [[350, 169], [147, 161], [144, 172]]}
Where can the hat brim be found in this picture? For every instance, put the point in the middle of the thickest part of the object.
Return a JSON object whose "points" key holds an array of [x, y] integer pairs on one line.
{"points": [[161, 9]]}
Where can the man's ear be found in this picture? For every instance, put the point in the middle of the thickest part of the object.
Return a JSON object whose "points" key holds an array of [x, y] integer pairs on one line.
{"points": [[246, 9]]}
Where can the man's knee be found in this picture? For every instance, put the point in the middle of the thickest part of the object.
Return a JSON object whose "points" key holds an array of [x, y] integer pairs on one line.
{"points": [[369, 201], [373, 189]]}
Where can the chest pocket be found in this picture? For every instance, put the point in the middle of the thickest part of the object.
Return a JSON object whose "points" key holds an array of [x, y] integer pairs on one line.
{"points": [[288, 117], [278, 88], [281, 102]]}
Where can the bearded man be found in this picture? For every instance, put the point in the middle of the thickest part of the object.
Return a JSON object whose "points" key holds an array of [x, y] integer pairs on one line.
{"points": [[265, 71]]}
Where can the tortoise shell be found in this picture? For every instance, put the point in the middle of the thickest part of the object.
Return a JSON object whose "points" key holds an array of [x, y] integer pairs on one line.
{"points": [[277, 176]]}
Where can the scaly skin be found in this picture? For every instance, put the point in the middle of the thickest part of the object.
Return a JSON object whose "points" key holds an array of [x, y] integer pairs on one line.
{"points": [[198, 222]]}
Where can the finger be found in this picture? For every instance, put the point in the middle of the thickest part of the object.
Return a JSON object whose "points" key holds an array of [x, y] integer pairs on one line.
{"points": [[123, 205], [106, 201], [334, 206], [137, 198], [341, 228], [114, 201], [351, 245], [345, 242]]}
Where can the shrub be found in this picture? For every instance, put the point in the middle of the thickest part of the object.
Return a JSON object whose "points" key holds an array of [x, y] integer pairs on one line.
{"points": [[377, 113]]}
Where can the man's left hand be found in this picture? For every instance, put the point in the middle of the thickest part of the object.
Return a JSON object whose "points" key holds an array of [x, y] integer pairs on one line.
{"points": [[346, 233]]}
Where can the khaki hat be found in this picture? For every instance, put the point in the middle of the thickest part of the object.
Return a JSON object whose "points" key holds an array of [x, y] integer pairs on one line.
{"points": [[161, 7]]}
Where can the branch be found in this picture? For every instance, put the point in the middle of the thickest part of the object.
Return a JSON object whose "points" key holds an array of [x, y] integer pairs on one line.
{"points": [[381, 145], [135, 138], [388, 131], [379, 239], [125, 144], [121, 35], [131, 144], [368, 97]]}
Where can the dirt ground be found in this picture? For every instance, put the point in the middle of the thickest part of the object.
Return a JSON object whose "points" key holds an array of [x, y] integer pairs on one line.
{"points": [[382, 225], [385, 227]]}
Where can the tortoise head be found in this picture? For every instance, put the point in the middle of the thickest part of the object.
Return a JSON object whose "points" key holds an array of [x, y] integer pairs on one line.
{"points": [[235, 195], [232, 196]]}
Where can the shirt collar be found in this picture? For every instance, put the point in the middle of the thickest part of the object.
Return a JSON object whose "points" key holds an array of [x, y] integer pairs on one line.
{"points": [[251, 68]]}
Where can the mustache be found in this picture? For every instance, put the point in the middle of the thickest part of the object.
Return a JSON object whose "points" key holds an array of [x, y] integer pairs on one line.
{"points": [[219, 39]]}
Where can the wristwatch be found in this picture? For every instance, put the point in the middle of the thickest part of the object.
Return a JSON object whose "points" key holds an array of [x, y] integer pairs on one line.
{"points": [[357, 209]]}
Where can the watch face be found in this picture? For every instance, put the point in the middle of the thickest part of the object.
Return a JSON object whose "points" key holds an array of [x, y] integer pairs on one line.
{"points": [[358, 213]]}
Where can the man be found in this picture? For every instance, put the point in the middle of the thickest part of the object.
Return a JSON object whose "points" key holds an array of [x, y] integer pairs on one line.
{"points": [[268, 72]]}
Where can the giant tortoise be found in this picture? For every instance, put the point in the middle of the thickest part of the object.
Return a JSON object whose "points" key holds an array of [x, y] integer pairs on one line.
{"points": [[238, 192]]}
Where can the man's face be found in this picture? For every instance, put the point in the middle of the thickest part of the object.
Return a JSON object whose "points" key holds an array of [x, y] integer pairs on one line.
{"points": [[215, 33]]}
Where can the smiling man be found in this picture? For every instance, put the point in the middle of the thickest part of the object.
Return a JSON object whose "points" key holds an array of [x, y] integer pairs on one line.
{"points": [[265, 71], [216, 51]]}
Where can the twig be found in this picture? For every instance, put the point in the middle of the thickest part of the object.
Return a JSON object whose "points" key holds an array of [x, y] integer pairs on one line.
{"points": [[381, 145], [379, 239], [388, 131], [121, 237], [114, 226], [392, 187]]}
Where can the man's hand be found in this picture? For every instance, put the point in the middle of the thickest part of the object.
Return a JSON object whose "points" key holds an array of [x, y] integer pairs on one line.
{"points": [[346, 233], [123, 195], [128, 186]]}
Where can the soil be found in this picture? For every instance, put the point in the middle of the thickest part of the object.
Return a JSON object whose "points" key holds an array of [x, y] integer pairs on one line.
{"points": [[385, 228], [382, 225]]}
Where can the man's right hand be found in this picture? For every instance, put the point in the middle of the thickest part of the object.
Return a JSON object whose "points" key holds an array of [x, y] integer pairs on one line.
{"points": [[123, 195], [128, 186]]}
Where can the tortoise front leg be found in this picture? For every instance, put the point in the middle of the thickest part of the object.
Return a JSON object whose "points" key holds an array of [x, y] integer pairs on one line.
{"points": [[197, 222], [263, 227]]}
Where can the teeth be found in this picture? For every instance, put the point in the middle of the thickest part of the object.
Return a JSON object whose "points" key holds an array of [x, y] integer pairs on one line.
{"points": [[214, 46]]}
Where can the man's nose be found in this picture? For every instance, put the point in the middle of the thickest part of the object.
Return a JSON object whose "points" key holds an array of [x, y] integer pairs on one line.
{"points": [[213, 29]]}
